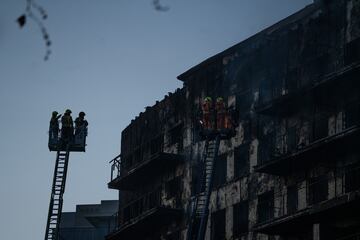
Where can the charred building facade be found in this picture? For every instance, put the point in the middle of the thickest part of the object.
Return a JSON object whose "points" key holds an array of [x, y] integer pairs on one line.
{"points": [[292, 169]]}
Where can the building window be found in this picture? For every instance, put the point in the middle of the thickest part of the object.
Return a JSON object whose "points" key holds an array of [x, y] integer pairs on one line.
{"points": [[265, 206], [352, 179], [320, 126], [175, 134], [240, 218], [172, 187], [352, 51], [351, 115], [292, 199], [137, 157], [220, 169], [156, 144], [241, 160], [291, 139], [218, 220], [318, 189]]}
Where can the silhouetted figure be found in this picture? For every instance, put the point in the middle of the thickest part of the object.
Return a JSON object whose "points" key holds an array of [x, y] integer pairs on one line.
{"points": [[67, 129], [54, 125], [80, 123]]}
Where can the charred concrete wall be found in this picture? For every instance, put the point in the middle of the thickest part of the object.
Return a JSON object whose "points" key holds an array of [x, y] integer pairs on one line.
{"points": [[298, 52]]}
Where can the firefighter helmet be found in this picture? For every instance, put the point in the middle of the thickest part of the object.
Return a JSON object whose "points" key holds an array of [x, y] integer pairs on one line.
{"points": [[219, 99], [208, 99]]}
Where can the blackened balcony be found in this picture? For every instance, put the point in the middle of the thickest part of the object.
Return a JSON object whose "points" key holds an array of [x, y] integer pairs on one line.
{"points": [[144, 217], [129, 177], [280, 213], [281, 98], [283, 152]]}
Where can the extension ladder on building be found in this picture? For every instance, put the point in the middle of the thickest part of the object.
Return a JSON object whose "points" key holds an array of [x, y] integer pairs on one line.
{"points": [[56, 200], [200, 204]]}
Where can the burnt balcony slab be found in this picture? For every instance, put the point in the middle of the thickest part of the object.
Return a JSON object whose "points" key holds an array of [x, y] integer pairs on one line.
{"points": [[145, 170], [325, 149]]}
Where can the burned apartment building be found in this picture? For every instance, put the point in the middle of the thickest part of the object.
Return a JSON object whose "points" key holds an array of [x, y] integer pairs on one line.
{"points": [[292, 169]]}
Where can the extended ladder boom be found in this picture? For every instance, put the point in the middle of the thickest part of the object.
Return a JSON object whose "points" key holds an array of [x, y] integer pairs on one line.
{"points": [[56, 199], [200, 204]]}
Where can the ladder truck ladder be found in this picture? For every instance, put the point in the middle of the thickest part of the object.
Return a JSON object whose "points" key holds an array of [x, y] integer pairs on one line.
{"points": [[200, 204], [56, 199]]}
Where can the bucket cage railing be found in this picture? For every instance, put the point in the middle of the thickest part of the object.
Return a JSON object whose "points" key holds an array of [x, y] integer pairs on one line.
{"points": [[77, 139]]}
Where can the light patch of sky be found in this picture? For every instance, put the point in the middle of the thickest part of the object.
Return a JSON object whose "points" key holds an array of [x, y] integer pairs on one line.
{"points": [[110, 59]]}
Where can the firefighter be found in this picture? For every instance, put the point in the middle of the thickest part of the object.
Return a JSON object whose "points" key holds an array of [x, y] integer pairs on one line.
{"points": [[67, 129], [54, 125], [223, 120], [80, 123], [220, 113], [206, 113]]}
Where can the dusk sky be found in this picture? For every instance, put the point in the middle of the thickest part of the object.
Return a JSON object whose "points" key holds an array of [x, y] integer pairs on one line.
{"points": [[111, 59]]}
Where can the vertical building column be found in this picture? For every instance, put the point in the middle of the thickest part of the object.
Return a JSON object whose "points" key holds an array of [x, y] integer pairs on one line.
{"points": [[316, 231]]}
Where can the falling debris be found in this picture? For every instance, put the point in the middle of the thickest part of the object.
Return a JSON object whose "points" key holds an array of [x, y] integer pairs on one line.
{"points": [[159, 7], [38, 17], [21, 20]]}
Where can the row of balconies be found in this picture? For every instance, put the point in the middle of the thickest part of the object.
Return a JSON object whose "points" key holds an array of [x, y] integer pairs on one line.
{"points": [[283, 97], [321, 198], [142, 216], [283, 151]]}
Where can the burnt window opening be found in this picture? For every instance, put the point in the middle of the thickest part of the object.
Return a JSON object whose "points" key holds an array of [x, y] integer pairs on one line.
{"points": [[156, 145], [243, 103], [352, 51], [291, 136], [240, 218], [320, 126], [173, 187], [265, 92], [220, 169], [137, 156], [292, 199], [352, 179], [218, 220], [318, 189], [175, 134], [292, 80], [247, 127], [265, 207], [267, 148], [351, 115], [127, 162], [241, 161]]}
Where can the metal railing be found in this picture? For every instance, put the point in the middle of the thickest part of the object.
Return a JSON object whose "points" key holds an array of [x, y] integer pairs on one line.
{"points": [[140, 206], [115, 167], [143, 152], [289, 140], [355, 236], [295, 81], [315, 190]]}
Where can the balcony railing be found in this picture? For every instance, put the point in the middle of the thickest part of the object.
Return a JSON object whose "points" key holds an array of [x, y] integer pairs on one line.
{"points": [[280, 208], [143, 216], [281, 144], [142, 153], [144, 173], [115, 167], [294, 86], [140, 206]]}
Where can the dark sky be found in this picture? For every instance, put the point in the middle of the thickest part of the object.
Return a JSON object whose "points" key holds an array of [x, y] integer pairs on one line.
{"points": [[111, 58]]}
